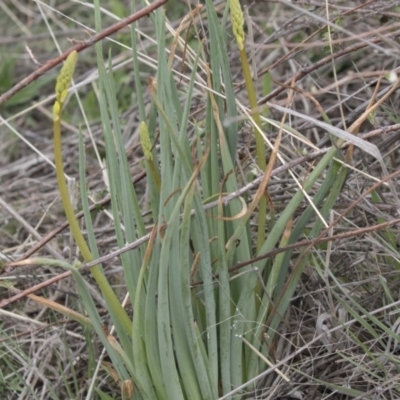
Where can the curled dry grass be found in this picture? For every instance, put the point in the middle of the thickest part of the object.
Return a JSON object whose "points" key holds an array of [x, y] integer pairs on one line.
{"points": [[341, 328]]}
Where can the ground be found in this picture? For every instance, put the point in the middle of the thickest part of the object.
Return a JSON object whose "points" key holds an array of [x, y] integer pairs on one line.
{"points": [[338, 71]]}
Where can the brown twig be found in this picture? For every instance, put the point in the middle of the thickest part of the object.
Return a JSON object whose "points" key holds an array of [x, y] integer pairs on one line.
{"points": [[304, 243], [321, 238], [301, 160], [226, 199], [8, 266], [34, 289], [79, 47], [306, 71], [333, 224]]}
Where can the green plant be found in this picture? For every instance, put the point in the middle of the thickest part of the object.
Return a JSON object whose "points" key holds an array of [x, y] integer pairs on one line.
{"points": [[205, 342], [207, 307]]}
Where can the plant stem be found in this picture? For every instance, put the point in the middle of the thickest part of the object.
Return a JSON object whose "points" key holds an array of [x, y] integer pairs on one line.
{"points": [[96, 271], [260, 145]]}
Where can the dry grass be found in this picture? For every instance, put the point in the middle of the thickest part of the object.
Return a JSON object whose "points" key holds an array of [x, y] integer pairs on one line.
{"points": [[44, 356]]}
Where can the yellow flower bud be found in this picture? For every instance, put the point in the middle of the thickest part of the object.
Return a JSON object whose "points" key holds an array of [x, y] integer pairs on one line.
{"points": [[56, 111], [237, 22], [65, 76], [145, 141]]}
